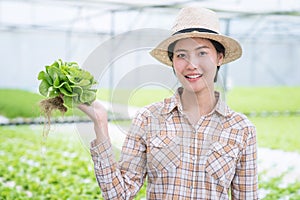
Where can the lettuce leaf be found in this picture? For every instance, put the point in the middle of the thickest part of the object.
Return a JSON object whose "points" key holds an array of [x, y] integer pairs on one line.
{"points": [[70, 81]]}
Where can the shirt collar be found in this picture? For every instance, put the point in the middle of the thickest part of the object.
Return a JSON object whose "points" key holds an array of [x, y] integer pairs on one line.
{"points": [[221, 107], [174, 102]]}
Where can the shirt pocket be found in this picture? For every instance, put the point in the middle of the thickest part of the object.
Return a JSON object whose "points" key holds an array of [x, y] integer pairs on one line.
{"points": [[164, 152], [221, 162]]}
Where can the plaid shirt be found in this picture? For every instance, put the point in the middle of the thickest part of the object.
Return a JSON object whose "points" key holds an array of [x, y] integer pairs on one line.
{"points": [[179, 159]]}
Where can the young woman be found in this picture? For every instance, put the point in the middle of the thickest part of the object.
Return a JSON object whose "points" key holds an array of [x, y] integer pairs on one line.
{"points": [[189, 146]]}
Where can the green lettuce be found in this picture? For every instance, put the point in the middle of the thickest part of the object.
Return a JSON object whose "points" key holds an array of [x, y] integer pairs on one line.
{"points": [[67, 80]]}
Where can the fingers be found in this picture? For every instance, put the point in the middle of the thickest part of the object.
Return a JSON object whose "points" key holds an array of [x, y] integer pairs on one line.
{"points": [[82, 107], [95, 111]]}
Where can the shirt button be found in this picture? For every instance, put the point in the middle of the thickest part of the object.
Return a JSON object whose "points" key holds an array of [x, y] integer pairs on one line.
{"points": [[193, 158]]}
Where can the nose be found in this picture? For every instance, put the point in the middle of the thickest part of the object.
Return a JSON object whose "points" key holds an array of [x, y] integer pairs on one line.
{"points": [[193, 62]]}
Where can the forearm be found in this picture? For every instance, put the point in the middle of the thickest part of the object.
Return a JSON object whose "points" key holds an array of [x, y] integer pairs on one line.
{"points": [[98, 114], [101, 131], [114, 183], [245, 182], [106, 171]]}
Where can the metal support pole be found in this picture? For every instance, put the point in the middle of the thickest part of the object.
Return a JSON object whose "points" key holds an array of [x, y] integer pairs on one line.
{"points": [[227, 32], [69, 34], [111, 67]]}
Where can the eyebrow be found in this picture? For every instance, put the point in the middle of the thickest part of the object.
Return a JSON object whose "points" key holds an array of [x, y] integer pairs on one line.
{"points": [[198, 48]]}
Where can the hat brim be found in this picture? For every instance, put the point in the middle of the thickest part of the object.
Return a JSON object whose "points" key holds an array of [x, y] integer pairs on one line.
{"points": [[233, 49]]}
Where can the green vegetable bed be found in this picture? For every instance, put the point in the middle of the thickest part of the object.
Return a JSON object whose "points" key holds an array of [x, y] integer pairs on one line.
{"points": [[62, 169]]}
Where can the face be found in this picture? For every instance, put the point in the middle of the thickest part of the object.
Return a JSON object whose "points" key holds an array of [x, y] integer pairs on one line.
{"points": [[195, 62]]}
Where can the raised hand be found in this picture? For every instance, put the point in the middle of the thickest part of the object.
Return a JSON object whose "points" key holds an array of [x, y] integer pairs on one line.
{"points": [[98, 114]]}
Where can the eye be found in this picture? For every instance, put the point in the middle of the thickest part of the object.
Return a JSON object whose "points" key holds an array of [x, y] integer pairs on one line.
{"points": [[202, 53], [181, 55]]}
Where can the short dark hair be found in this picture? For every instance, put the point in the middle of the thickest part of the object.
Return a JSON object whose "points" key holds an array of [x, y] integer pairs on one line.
{"points": [[171, 50], [218, 46]]}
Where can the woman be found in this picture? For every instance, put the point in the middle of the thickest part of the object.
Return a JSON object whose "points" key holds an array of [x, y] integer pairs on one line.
{"points": [[189, 146]]}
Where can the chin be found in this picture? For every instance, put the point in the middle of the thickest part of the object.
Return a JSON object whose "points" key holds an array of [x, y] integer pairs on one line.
{"points": [[194, 89], [198, 89]]}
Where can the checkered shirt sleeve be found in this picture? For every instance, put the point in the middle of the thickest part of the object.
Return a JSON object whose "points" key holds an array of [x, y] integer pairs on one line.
{"points": [[245, 182], [124, 179]]}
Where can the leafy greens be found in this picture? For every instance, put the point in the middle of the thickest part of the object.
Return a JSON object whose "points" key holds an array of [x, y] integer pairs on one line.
{"points": [[67, 80]]}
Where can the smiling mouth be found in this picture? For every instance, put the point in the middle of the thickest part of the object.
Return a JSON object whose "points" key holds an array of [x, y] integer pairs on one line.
{"points": [[195, 76]]}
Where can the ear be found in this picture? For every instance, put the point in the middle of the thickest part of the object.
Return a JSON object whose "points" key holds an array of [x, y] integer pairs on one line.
{"points": [[220, 58]]}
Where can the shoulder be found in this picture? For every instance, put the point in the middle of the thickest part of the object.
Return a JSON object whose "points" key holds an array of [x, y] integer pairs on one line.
{"points": [[239, 126], [146, 117], [239, 129], [238, 120], [164, 106], [153, 109]]}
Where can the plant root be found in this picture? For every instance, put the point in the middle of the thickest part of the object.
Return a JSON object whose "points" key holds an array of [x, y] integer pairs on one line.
{"points": [[47, 107]]}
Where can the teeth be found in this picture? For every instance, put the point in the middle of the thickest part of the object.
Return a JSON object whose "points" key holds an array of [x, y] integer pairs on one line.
{"points": [[193, 76]]}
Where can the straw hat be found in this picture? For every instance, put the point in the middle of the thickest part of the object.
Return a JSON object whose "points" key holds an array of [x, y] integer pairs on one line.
{"points": [[197, 22]]}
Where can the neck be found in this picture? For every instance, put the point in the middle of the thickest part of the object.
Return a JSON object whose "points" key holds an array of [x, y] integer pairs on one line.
{"points": [[200, 103]]}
